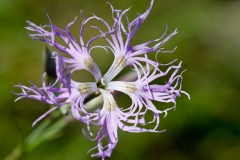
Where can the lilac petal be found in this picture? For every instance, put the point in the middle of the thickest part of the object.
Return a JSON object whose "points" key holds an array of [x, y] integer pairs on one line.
{"points": [[136, 129], [43, 116], [143, 16], [80, 55]]}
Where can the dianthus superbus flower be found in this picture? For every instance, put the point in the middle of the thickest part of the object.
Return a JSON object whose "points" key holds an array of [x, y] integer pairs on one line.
{"points": [[143, 90]]}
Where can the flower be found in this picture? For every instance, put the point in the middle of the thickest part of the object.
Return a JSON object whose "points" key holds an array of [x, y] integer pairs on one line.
{"points": [[143, 91]]}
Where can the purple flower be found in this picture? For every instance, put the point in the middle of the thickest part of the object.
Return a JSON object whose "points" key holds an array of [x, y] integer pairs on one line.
{"points": [[142, 91]]}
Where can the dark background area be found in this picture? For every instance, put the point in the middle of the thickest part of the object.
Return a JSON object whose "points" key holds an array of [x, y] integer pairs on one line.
{"points": [[205, 127]]}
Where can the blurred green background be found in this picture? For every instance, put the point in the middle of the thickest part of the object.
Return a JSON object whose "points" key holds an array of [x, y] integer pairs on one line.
{"points": [[205, 127]]}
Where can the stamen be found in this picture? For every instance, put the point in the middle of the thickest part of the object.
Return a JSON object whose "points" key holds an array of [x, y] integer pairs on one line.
{"points": [[102, 81]]}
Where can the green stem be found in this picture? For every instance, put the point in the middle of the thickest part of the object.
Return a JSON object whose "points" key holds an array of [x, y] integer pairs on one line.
{"points": [[15, 154]]}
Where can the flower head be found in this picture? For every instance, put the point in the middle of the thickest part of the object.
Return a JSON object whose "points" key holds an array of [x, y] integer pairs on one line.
{"points": [[142, 91]]}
